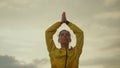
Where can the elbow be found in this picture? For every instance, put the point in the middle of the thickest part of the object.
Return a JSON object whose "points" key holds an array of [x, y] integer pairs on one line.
{"points": [[46, 32], [81, 32]]}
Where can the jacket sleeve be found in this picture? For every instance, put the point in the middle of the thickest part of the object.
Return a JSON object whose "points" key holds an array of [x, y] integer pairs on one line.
{"points": [[79, 37], [49, 36]]}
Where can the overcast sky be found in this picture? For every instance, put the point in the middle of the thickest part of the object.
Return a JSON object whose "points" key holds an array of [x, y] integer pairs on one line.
{"points": [[23, 24]]}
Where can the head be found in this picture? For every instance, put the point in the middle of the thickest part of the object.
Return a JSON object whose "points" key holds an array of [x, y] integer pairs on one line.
{"points": [[64, 37]]}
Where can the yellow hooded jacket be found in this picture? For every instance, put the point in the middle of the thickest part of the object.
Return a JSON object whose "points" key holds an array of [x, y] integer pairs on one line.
{"points": [[64, 58]]}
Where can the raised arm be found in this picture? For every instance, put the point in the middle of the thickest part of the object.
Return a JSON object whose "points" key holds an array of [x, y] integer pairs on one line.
{"points": [[49, 36], [79, 37], [77, 31], [51, 31]]}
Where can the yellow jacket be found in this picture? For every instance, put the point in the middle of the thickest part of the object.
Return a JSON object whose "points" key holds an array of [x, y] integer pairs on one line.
{"points": [[58, 56]]}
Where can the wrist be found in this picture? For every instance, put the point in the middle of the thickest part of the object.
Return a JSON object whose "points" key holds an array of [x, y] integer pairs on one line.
{"points": [[67, 22]]}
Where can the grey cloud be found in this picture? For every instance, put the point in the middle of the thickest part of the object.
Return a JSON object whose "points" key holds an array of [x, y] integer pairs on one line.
{"points": [[111, 24], [113, 47], [116, 44], [109, 3], [42, 61], [11, 62], [114, 15], [109, 52], [108, 29], [106, 62], [15, 3], [106, 26]]}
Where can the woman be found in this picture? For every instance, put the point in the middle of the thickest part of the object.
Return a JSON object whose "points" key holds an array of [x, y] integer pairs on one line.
{"points": [[64, 57]]}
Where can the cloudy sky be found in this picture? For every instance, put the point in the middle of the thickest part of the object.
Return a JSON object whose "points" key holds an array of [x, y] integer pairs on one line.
{"points": [[23, 23]]}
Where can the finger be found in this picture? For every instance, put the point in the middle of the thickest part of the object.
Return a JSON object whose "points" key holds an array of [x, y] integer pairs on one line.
{"points": [[63, 13], [63, 16]]}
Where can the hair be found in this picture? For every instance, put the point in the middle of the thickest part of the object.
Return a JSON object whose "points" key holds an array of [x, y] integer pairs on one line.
{"points": [[63, 30]]}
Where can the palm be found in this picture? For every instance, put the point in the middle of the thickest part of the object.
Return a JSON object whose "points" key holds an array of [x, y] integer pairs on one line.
{"points": [[64, 17]]}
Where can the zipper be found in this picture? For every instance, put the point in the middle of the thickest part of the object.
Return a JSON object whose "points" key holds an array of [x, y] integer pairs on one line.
{"points": [[66, 59]]}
